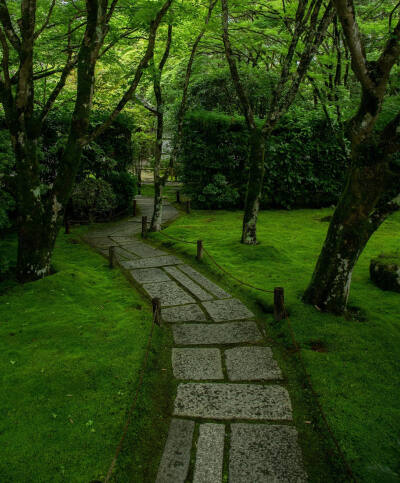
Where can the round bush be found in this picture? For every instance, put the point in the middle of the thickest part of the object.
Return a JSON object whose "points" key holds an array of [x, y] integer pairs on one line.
{"points": [[93, 199], [385, 272]]}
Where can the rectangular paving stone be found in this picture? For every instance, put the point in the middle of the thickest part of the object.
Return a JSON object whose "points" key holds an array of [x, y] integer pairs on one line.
{"points": [[261, 453], [185, 313], [197, 364], [213, 334], [143, 275], [175, 460], [204, 282], [122, 255], [232, 401], [169, 293], [151, 262], [251, 364], [188, 283], [141, 250], [210, 453], [228, 309]]}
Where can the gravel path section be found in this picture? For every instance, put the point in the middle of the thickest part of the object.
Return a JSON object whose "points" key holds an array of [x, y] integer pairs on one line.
{"points": [[232, 416]]}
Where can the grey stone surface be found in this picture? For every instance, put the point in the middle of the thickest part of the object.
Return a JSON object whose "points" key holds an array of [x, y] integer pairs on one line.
{"points": [[186, 313], [175, 460], [123, 255], [141, 250], [152, 262], [197, 364], [204, 282], [101, 241], [188, 284], [225, 333], [228, 309], [147, 275], [210, 453], [232, 401], [262, 453], [169, 293], [251, 364]]}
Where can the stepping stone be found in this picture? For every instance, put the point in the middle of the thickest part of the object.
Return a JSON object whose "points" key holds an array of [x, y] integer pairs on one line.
{"points": [[143, 275], [151, 262], [197, 364], [262, 453], [204, 282], [123, 255], [142, 250], [232, 401], [195, 289], [210, 334], [251, 364], [186, 313], [229, 309], [175, 460], [169, 293], [210, 453]]}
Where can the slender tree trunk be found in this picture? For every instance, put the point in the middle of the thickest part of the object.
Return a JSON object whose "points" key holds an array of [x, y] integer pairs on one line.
{"points": [[351, 227], [254, 187]]}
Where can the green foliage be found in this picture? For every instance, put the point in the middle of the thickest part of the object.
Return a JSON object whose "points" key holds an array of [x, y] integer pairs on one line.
{"points": [[304, 164], [93, 198], [124, 186]]}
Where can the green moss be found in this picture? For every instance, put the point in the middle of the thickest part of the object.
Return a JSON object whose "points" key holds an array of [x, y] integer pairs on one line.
{"points": [[389, 258], [357, 374], [71, 349]]}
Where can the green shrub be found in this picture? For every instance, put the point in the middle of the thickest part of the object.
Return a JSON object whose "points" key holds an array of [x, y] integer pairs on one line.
{"points": [[124, 186], [93, 199], [304, 164]]}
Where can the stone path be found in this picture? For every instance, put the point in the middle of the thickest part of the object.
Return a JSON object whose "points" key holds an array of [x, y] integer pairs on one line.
{"points": [[232, 415]]}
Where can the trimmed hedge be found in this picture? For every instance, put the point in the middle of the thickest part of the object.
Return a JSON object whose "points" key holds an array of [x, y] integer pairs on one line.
{"points": [[304, 164]]}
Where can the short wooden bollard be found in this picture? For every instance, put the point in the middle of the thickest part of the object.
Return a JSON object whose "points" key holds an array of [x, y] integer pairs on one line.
{"points": [[178, 196], [144, 226], [199, 249], [111, 256], [134, 208], [67, 226], [156, 302], [188, 206], [279, 304]]}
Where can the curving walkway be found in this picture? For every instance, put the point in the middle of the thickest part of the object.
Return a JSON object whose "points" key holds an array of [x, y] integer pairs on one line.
{"points": [[232, 415]]}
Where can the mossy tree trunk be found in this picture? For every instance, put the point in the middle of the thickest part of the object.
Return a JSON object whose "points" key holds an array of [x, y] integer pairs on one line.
{"points": [[372, 189]]}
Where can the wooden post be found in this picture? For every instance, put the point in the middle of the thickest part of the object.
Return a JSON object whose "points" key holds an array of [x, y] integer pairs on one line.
{"points": [[144, 226], [156, 302], [199, 250], [188, 206], [134, 208], [279, 303], [111, 254], [67, 226], [178, 197]]}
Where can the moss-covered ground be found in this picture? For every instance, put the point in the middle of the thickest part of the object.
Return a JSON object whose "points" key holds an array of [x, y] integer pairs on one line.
{"points": [[353, 361], [71, 349]]}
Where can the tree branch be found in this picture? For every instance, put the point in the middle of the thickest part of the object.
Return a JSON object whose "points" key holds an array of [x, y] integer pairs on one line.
{"points": [[46, 22], [5, 20]]}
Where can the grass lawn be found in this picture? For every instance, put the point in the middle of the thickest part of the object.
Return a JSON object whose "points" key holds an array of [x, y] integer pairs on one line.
{"points": [[356, 369], [71, 349]]}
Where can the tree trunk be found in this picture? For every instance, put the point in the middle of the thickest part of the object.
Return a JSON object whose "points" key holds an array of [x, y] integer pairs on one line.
{"points": [[254, 187], [158, 205], [351, 227]]}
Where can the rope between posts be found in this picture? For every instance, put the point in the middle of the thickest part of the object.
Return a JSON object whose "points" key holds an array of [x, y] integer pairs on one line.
{"points": [[133, 405], [315, 394]]}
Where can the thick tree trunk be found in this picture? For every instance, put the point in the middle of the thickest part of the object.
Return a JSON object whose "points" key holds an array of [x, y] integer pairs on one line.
{"points": [[352, 225], [158, 206], [254, 187]]}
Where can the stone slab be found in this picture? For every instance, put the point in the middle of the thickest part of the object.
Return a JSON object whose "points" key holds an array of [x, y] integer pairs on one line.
{"points": [[141, 250], [251, 364], [169, 293], [232, 401], [261, 453], [123, 255], [100, 241], [213, 334], [188, 283], [151, 262], [186, 313], [197, 364], [228, 309], [204, 282], [175, 460], [210, 453], [148, 275]]}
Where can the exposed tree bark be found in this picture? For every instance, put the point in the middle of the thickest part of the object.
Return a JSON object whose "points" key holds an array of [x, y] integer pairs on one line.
{"points": [[309, 28], [372, 189], [159, 181]]}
